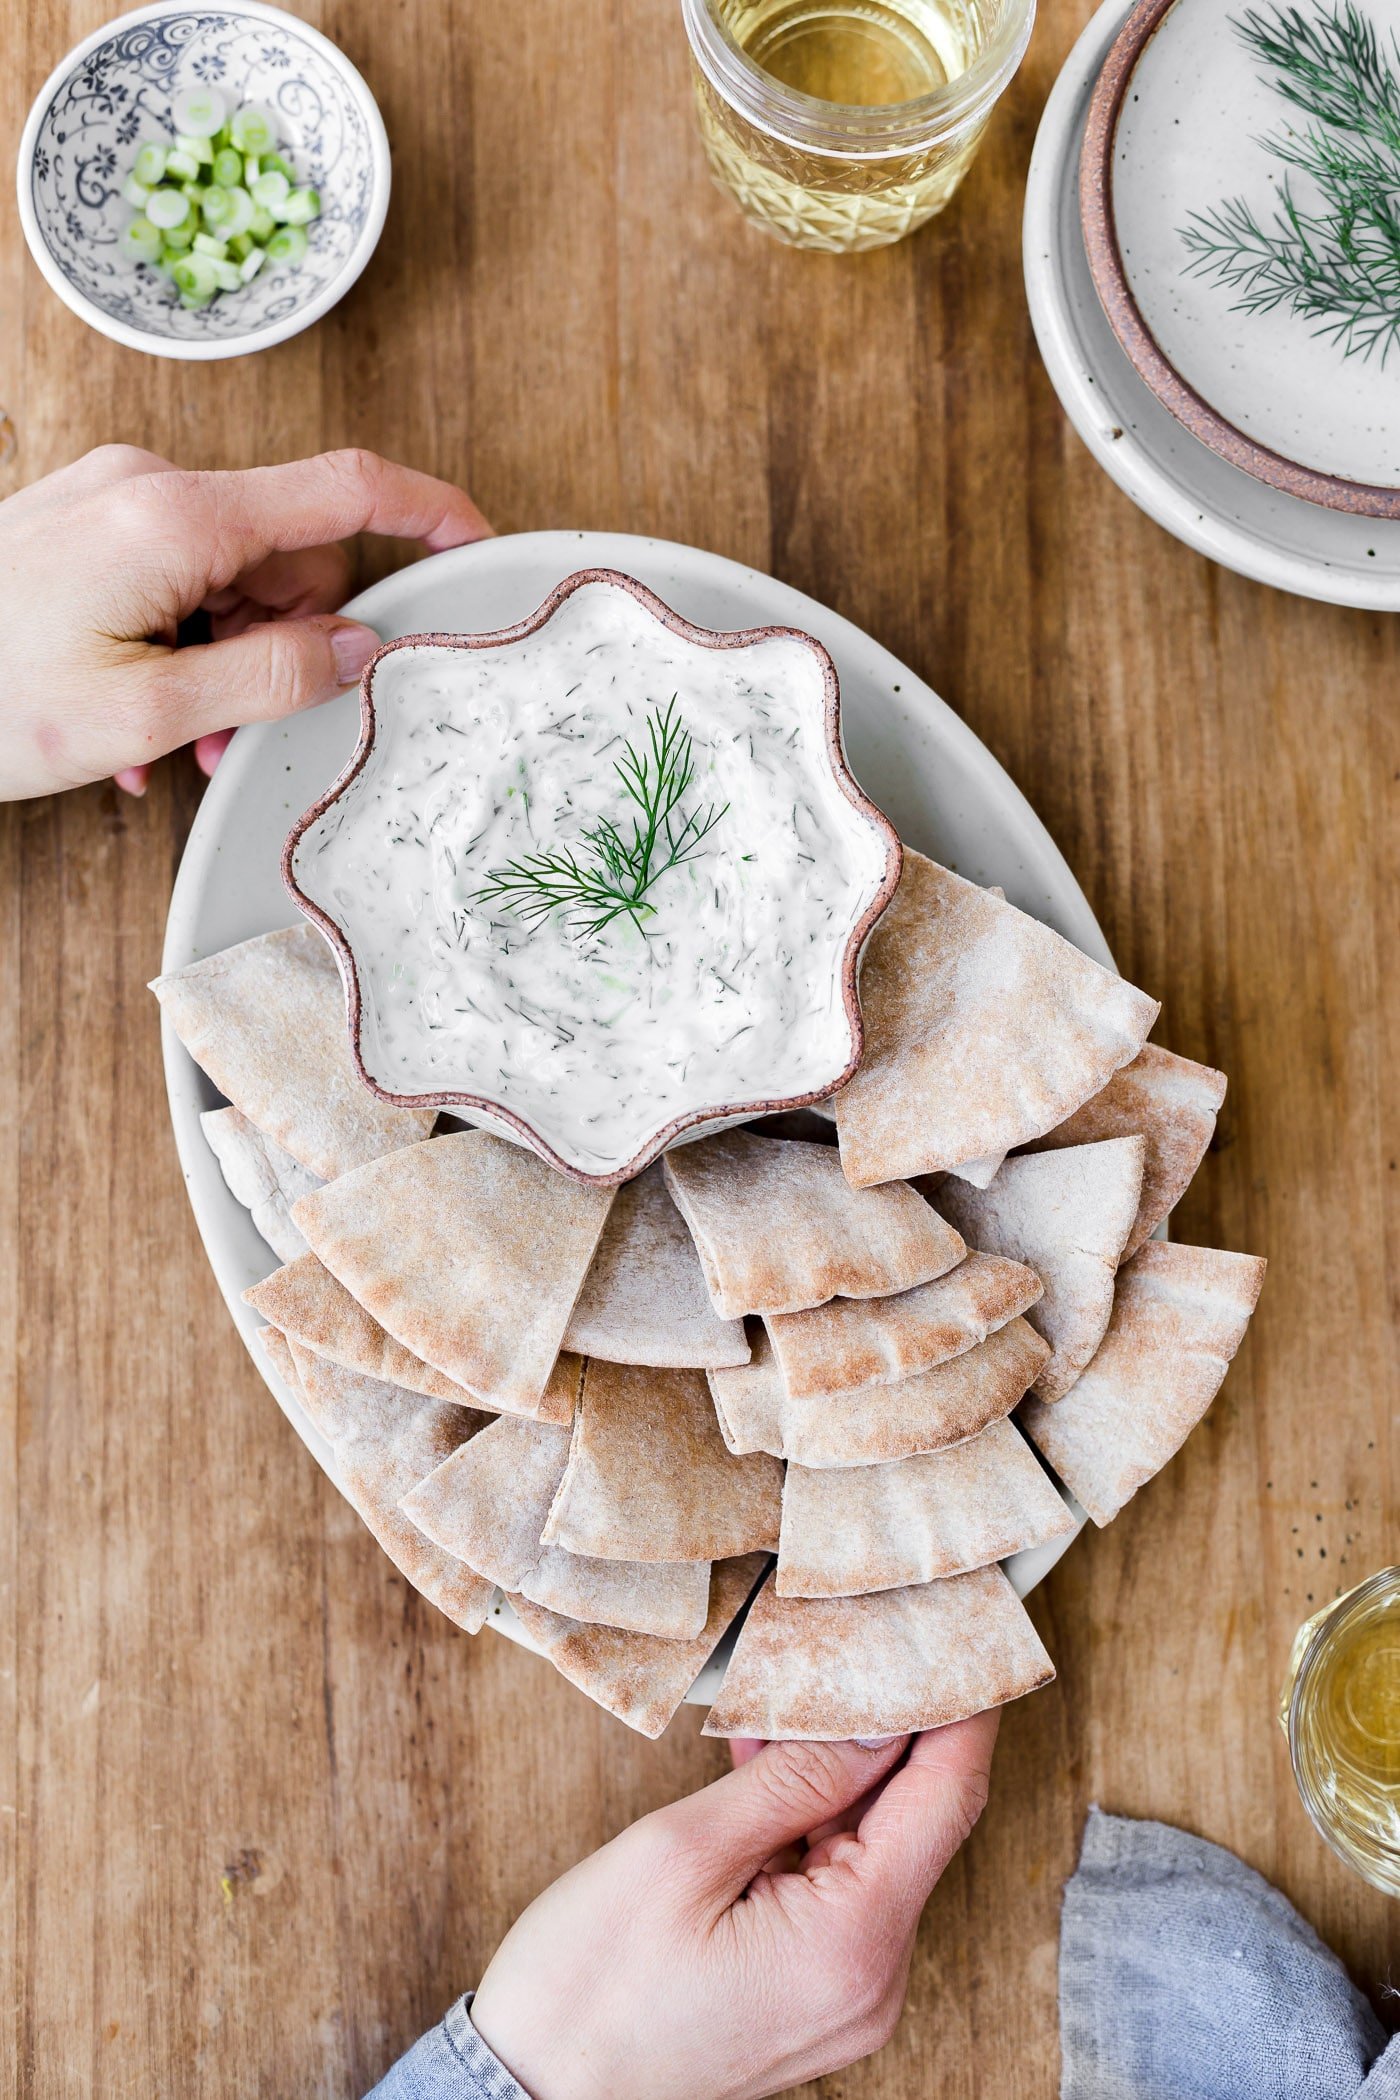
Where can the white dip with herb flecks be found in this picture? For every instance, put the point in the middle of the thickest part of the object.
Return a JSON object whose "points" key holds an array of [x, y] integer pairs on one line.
{"points": [[728, 992]]}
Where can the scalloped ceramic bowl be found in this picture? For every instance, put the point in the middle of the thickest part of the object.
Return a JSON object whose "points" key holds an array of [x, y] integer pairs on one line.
{"points": [[114, 90], [343, 836]]}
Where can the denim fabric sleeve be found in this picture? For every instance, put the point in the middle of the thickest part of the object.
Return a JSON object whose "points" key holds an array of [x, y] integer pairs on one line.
{"points": [[449, 2062], [1185, 1976]]}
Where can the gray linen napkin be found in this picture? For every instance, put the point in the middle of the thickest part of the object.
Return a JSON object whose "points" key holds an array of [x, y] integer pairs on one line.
{"points": [[1185, 1976]]}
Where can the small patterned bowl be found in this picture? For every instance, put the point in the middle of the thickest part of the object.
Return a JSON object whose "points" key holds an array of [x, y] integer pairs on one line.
{"points": [[114, 90]]}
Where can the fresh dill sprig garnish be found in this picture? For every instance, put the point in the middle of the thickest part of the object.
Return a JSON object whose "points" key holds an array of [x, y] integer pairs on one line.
{"points": [[1336, 263], [611, 874]]}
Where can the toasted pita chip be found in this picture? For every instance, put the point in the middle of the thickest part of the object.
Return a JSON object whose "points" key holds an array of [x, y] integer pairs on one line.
{"points": [[885, 1527], [266, 1021], [857, 1342], [279, 1352], [384, 1439], [983, 1030], [640, 1680], [928, 1412], [487, 1505], [487, 1502], [649, 1477], [644, 1300], [306, 1301], [779, 1228], [832, 1668], [262, 1177], [980, 1172], [469, 1250], [814, 1126], [1173, 1104], [1068, 1215], [668, 1599], [1178, 1318]]}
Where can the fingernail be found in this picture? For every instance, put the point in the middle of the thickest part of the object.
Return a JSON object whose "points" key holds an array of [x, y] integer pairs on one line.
{"points": [[131, 780], [351, 648], [873, 1742]]}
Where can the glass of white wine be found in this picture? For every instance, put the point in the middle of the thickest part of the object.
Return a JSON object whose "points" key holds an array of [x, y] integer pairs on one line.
{"points": [[845, 124]]}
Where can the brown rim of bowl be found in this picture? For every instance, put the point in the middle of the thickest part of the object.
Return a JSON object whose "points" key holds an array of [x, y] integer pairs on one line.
{"points": [[707, 638], [1176, 394]]}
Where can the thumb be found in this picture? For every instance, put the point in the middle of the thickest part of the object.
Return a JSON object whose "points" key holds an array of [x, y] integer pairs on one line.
{"points": [[787, 1790], [275, 668]]}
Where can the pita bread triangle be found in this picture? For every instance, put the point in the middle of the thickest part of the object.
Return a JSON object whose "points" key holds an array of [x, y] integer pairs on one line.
{"points": [[649, 1477], [640, 1680], [856, 1342], [1173, 1104], [383, 1439], [884, 1527], [266, 1021], [1179, 1316], [1068, 1215], [928, 1412], [644, 1299], [778, 1227], [487, 1504], [262, 1177], [468, 1250], [307, 1302], [983, 1030], [824, 1669]]}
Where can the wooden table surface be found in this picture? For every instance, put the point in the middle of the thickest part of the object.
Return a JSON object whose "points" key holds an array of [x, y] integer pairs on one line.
{"points": [[265, 1813]]}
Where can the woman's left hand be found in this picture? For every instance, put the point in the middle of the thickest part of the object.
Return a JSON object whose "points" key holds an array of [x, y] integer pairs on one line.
{"points": [[100, 563]]}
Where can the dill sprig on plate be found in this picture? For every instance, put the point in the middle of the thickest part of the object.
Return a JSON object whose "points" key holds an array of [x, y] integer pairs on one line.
{"points": [[611, 874], [1335, 260]]}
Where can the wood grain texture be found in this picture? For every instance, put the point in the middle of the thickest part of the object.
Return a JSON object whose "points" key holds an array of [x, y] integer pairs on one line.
{"points": [[265, 1813]]}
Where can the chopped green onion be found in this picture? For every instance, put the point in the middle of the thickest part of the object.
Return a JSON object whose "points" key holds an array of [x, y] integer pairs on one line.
{"points": [[228, 168], [241, 210], [252, 168], [251, 129], [195, 274], [278, 164], [178, 239], [216, 205], [149, 165], [205, 244], [141, 241], [167, 209], [302, 206], [136, 192], [199, 112], [262, 226], [227, 276], [288, 245], [197, 149], [269, 191], [251, 264], [241, 244]]}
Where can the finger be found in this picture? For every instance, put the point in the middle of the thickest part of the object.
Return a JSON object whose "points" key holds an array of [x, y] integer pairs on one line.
{"points": [[102, 468], [132, 779], [314, 579], [228, 523], [769, 1803], [208, 750], [742, 1748], [274, 669], [919, 1819]]}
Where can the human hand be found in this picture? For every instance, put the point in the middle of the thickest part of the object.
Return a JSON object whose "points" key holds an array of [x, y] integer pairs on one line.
{"points": [[101, 561], [697, 1958]]}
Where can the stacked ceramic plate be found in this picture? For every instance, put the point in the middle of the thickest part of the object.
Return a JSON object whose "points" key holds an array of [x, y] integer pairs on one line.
{"points": [[1180, 244]]}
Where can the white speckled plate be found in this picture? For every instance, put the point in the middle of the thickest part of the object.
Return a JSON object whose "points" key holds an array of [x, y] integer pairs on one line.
{"points": [[1191, 491], [942, 789], [1179, 152]]}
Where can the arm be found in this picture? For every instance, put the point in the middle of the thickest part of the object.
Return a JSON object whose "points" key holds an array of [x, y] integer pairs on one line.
{"points": [[748, 1938], [100, 562]]}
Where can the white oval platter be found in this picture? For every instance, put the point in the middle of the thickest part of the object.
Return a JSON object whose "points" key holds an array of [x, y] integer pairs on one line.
{"points": [[939, 785]]}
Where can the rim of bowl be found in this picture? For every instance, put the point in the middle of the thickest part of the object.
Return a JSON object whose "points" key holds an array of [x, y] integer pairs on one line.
{"points": [[1125, 316], [704, 637], [227, 346]]}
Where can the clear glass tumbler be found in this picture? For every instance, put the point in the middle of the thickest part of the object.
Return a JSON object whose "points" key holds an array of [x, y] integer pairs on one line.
{"points": [[844, 124], [1341, 1713]]}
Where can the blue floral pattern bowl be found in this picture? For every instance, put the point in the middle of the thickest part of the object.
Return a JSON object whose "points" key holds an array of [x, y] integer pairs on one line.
{"points": [[114, 91]]}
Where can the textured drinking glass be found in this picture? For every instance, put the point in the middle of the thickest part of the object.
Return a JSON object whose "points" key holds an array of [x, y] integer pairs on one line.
{"points": [[1341, 1714], [844, 124]]}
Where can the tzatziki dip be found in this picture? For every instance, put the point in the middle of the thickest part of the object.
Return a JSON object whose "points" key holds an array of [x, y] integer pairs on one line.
{"points": [[483, 868]]}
